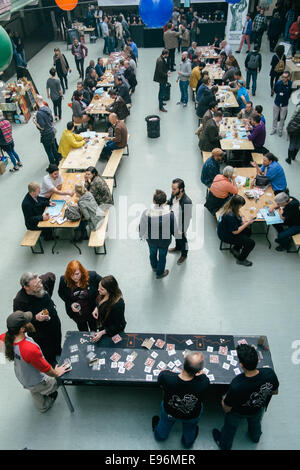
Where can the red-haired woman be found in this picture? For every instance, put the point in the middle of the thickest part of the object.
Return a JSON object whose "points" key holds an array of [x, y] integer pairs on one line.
{"points": [[109, 312], [78, 288]]}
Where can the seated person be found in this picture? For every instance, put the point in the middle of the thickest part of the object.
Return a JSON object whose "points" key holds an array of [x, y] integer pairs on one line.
{"points": [[196, 75], [89, 67], [274, 171], [258, 110], [100, 69], [206, 83], [228, 76], [120, 137], [52, 183], [258, 133], [288, 208], [204, 74], [130, 76], [207, 97], [213, 107], [97, 186], [222, 60], [192, 50], [118, 106], [86, 98], [109, 312], [123, 89], [242, 95], [223, 186], [233, 85], [236, 231], [91, 213], [79, 109], [225, 47], [70, 141], [210, 135], [211, 167], [90, 83], [216, 43], [33, 207], [247, 113]]}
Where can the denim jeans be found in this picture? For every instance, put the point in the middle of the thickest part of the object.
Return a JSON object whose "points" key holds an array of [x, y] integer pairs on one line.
{"points": [[105, 49], [231, 423], [111, 44], [166, 422], [12, 154], [251, 74], [285, 234], [184, 86], [158, 258], [162, 94]]}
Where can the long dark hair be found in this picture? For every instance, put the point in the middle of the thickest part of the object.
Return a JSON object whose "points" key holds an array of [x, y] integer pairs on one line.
{"points": [[9, 344], [111, 285], [279, 51], [92, 170], [233, 205]]}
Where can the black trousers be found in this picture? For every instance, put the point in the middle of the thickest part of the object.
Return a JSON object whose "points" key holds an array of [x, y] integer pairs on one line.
{"points": [[79, 64], [182, 245], [50, 147], [243, 242], [64, 82], [213, 203], [57, 107], [171, 59], [273, 41]]}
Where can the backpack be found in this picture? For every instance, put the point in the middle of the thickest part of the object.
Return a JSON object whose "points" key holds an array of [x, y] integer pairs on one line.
{"points": [[280, 66], [72, 213], [253, 63]]}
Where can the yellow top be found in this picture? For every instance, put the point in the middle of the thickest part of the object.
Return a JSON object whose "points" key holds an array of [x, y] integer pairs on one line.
{"points": [[69, 141], [195, 77]]}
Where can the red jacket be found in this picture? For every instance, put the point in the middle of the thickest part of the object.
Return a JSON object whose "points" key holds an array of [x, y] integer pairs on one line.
{"points": [[295, 30]]}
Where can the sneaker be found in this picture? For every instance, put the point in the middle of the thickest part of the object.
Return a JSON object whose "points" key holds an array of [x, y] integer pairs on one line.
{"points": [[178, 102], [235, 253], [183, 443], [253, 94], [279, 133], [164, 274], [181, 259], [163, 110], [19, 164], [53, 395], [288, 160], [172, 250], [14, 169], [217, 437], [280, 248], [184, 105], [273, 132], [237, 52], [155, 421], [244, 262]]}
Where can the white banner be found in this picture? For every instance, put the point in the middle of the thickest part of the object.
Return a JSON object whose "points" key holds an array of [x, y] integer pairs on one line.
{"points": [[235, 21]]}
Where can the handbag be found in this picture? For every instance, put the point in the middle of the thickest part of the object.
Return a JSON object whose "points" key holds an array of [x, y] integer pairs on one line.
{"points": [[72, 213], [261, 180]]}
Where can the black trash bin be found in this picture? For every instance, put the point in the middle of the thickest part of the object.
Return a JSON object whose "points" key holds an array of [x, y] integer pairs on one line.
{"points": [[168, 92], [153, 126]]}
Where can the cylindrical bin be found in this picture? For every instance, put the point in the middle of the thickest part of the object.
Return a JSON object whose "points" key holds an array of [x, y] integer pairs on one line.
{"points": [[168, 92], [153, 126]]}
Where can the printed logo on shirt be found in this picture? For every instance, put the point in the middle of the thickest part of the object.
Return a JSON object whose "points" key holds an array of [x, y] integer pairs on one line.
{"points": [[185, 405], [258, 399]]}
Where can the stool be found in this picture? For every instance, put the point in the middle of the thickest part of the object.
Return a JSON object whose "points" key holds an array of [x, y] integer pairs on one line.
{"points": [[222, 247]]}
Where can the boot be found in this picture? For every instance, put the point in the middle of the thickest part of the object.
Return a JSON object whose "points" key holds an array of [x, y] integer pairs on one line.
{"points": [[293, 154]]}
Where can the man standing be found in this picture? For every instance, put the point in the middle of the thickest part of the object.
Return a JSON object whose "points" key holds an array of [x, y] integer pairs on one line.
{"points": [[211, 167], [35, 296], [247, 398], [133, 47], [253, 65], [31, 368], [54, 92], [161, 76], [259, 27], [181, 205], [171, 43], [44, 122], [183, 399], [157, 226], [185, 70], [80, 52], [246, 33], [185, 38], [105, 34], [283, 90]]}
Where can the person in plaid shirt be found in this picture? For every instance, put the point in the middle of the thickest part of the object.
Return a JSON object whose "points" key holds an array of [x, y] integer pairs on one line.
{"points": [[259, 27], [7, 143]]}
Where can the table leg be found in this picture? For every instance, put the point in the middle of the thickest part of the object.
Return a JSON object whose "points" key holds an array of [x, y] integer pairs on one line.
{"points": [[55, 240], [267, 233], [67, 398], [74, 243]]}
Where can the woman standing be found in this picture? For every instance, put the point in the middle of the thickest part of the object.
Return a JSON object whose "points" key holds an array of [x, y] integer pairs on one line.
{"points": [[78, 288], [293, 131], [277, 66], [97, 186], [110, 308], [236, 231], [7, 143], [62, 68]]}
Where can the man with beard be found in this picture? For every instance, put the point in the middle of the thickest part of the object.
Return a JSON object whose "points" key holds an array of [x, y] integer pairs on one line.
{"points": [[31, 368], [35, 297]]}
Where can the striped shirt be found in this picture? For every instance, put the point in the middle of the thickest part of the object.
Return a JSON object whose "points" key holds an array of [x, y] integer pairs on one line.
{"points": [[5, 127]]}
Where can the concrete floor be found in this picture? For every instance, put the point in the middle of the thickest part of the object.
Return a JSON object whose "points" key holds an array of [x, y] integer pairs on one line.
{"points": [[208, 294]]}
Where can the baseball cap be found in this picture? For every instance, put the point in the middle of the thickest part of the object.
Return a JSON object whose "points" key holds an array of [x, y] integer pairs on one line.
{"points": [[18, 319], [218, 153]]}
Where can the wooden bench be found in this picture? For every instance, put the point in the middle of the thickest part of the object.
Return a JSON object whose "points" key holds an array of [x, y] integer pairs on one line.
{"points": [[97, 238], [296, 240], [31, 238], [205, 155], [257, 158], [113, 163]]}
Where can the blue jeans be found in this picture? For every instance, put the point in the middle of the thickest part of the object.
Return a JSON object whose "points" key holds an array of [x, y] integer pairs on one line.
{"points": [[284, 235], [111, 44], [158, 258], [166, 422], [231, 423], [288, 24], [162, 94], [12, 154], [184, 86], [105, 49], [251, 74]]}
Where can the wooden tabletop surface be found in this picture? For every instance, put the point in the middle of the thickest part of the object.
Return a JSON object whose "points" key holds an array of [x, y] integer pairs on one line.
{"points": [[227, 98], [83, 157], [236, 143], [107, 80], [207, 52], [97, 106], [215, 72]]}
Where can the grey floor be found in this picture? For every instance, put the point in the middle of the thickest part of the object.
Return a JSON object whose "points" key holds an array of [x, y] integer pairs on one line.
{"points": [[208, 294]]}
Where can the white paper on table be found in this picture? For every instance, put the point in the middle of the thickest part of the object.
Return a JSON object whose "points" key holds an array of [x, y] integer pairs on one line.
{"points": [[235, 146], [240, 180]]}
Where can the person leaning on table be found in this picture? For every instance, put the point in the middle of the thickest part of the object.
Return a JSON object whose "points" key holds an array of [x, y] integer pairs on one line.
{"points": [[31, 368], [222, 187], [70, 141], [233, 229], [98, 187], [289, 212], [274, 171], [52, 183]]}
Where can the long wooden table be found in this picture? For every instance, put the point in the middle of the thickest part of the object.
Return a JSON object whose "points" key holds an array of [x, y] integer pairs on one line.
{"points": [[215, 72], [231, 124], [207, 53], [83, 157], [293, 69], [97, 105], [107, 80], [227, 98]]}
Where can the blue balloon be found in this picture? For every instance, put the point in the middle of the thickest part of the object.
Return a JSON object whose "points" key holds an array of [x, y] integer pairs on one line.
{"points": [[156, 13]]}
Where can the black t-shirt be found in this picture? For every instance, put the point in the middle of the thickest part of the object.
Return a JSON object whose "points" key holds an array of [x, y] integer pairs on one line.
{"points": [[182, 399], [229, 223], [247, 395], [291, 213]]}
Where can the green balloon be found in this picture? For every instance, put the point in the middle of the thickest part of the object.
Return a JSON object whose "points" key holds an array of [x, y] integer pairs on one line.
{"points": [[5, 48]]}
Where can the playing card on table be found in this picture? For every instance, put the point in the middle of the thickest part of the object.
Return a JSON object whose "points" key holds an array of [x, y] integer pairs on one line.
{"points": [[134, 355], [149, 362], [121, 370], [233, 352], [211, 377], [154, 355], [171, 365], [129, 365], [223, 350], [96, 366], [242, 341], [148, 343], [170, 346], [237, 371], [189, 342], [90, 348], [229, 358], [206, 371], [121, 364], [102, 361], [147, 369], [74, 358], [161, 365], [160, 343], [156, 372], [210, 349], [171, 352], [129, 358], [115, 357], [213, 358], [116, 338], [91, 355], [177, 362], [233, 363], [149, 378], [114, 365], [73, 348], [226, 366]]}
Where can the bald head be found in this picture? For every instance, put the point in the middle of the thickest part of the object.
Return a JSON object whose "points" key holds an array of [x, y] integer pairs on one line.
{"points": [[193, 363], [113, 118]]}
